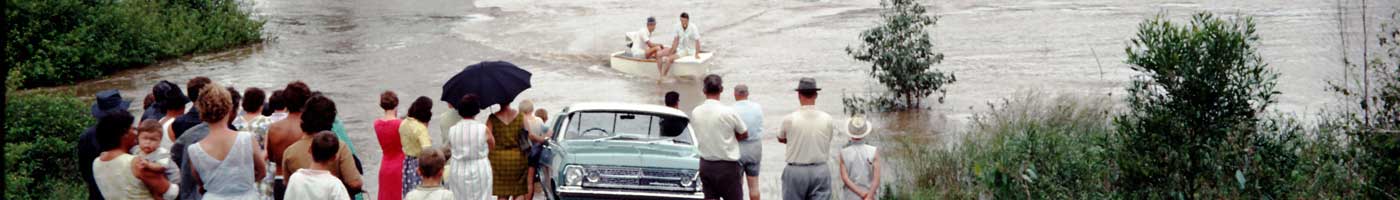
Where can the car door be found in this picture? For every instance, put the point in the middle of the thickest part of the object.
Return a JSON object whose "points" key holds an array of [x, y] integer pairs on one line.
{"points": [[545, 173]]}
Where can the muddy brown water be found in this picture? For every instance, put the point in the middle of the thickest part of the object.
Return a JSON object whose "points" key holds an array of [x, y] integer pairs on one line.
{"points": [[353, 49]]}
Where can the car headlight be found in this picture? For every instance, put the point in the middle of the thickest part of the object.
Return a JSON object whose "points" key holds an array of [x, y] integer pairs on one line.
{"points": [[573, 175]]}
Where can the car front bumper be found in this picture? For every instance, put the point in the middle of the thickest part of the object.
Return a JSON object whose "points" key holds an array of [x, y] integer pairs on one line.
{"points": [[570, 192]]}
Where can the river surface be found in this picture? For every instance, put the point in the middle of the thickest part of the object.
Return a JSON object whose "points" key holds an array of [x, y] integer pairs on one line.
{"points": [[352, 50]]}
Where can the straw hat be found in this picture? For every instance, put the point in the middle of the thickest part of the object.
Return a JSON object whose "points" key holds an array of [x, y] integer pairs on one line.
{"points": [[857, 127]]}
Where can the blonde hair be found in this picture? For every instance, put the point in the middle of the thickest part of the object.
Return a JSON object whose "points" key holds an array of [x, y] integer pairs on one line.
{"points": [[527, 106], [214, 104]]}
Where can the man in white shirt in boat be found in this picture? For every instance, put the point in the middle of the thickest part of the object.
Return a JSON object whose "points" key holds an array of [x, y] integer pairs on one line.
{"points": [[647, 49], [687, 43]]}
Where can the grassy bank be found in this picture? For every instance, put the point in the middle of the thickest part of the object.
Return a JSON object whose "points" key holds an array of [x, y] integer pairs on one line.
{"points": [[1062, 147], [56, 42], [1027, 147]]}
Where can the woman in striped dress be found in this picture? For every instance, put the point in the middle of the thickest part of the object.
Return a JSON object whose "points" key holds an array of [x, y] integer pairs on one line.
{"points": [[469, 176], [508, 162]]}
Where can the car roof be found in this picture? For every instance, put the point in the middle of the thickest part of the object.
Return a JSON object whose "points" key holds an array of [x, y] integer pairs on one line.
{"points": [[626, 107]]}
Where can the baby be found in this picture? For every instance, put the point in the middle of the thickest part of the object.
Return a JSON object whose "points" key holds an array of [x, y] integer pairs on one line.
{"points": [[148, 148]]}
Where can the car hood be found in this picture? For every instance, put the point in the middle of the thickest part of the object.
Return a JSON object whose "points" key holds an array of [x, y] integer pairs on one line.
{"points": [[656, 154]]}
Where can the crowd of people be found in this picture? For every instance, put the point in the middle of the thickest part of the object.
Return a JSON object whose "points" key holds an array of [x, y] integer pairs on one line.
{"points": [[290, 145]]}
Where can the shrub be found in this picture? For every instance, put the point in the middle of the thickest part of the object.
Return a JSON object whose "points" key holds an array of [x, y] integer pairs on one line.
{"points": [[1193, 129], [41, 133], [54, 42], [901, 53]]}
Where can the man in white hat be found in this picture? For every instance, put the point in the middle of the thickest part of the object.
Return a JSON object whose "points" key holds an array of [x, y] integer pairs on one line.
{"points": [[860, 162], [807, 133]]}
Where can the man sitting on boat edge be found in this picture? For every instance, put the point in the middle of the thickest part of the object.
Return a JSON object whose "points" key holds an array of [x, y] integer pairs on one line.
{"points": [[687, 43], [641, 46]]}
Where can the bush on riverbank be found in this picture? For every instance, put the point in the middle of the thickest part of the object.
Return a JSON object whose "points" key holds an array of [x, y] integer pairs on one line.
{"points": [[1195, 126], [1370, 120], [41, 133], [55, 42]]}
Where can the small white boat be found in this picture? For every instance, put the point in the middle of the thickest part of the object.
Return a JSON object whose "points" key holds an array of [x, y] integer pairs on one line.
{"points": [[688, 66]]}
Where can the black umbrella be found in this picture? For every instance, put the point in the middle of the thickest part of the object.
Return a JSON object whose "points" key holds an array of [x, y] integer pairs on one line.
{"points": [[494, 82]]}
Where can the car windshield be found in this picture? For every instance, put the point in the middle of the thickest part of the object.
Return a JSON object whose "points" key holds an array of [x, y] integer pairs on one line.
{"points": [[628, 126]]}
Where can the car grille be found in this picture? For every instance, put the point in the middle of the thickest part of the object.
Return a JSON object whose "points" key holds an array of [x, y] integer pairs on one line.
{"points": [[641, 178]]}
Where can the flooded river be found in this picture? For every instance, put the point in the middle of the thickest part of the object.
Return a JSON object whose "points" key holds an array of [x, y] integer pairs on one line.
{"points": [[353, 49]]}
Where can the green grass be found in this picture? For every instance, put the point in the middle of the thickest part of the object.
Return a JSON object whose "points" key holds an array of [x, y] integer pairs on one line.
{"points": [[1034, 146], [1024, 147]]}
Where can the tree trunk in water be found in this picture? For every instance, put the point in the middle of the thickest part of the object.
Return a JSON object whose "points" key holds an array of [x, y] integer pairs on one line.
{"points": [[908, 99]]}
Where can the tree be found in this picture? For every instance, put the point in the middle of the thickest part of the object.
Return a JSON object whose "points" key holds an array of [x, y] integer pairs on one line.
{"points": [[1195, 111], [901, 55]]}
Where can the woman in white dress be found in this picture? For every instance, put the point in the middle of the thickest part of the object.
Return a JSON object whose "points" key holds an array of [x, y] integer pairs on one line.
{"points": [[469, 175], [173, 102], [226, 163]]}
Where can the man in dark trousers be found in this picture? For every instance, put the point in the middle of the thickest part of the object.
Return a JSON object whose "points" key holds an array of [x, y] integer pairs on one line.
{"points": [[718, 130]]}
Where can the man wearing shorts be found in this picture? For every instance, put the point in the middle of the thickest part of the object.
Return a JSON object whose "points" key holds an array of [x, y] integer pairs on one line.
{"points": [[642, 47], [751, 149]]}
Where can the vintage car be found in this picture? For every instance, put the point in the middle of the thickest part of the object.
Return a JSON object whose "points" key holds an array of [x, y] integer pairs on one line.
{"points": [[620, 151]]}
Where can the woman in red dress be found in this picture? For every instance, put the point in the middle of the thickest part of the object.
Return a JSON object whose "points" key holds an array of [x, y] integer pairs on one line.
{"points": [[386, 128]]}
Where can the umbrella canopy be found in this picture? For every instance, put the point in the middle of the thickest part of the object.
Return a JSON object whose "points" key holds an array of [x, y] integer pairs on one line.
{"points": [[494, 82]]}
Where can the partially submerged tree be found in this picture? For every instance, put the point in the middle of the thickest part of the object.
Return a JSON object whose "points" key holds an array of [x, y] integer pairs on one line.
{"points": [[901, 53]]}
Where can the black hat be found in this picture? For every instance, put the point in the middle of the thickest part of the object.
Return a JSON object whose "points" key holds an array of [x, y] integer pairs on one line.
{"points": [[651, 20], [807, 84], [108, 100], [168, 93]]}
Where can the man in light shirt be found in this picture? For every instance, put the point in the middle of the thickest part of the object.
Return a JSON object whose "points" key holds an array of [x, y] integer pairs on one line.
{"points": [[718, 131], [687, 43], [642, 47], [751, 149], [807, 133]]}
